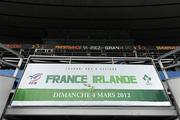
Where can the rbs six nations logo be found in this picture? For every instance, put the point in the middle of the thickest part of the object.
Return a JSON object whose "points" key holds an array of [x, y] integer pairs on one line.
{"points": [[34, 78]]}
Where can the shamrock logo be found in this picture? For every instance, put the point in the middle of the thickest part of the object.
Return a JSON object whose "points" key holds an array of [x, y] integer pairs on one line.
{"points": [[147, 79]]}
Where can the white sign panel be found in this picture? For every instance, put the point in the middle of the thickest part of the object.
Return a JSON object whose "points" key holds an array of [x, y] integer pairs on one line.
{"points": [[6, 84], [90, 85]]}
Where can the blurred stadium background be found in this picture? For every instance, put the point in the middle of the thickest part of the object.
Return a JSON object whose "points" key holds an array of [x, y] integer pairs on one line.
{"points": [[108, 28], [114, 28]]}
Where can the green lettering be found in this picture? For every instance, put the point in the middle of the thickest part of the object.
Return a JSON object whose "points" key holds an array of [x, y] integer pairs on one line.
{"points": [[56, 79], [84, 79], [49, 77], [133, 79], [63, 79], [77, 79], [119, 79], [70, 79], [112, 79], [126, 79], [98, 79]]}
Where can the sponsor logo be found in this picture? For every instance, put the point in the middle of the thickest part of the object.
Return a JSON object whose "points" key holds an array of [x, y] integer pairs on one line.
{"points": [[34, 78], [147, 79]]}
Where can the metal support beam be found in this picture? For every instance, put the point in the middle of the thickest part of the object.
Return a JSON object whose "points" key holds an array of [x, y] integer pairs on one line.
{"points": [[172, 66], [163, 70], [17, 69], [8, 63], [105, 111], [169, 53], [10, 50]]}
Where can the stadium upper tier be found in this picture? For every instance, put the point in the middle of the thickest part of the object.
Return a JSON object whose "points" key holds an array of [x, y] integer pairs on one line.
{"points": [[71, 49], [137, 19]]}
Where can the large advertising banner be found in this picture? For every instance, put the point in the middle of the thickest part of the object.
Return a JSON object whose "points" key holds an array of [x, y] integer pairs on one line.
{"points": [[6, 84], [90, 85]]}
